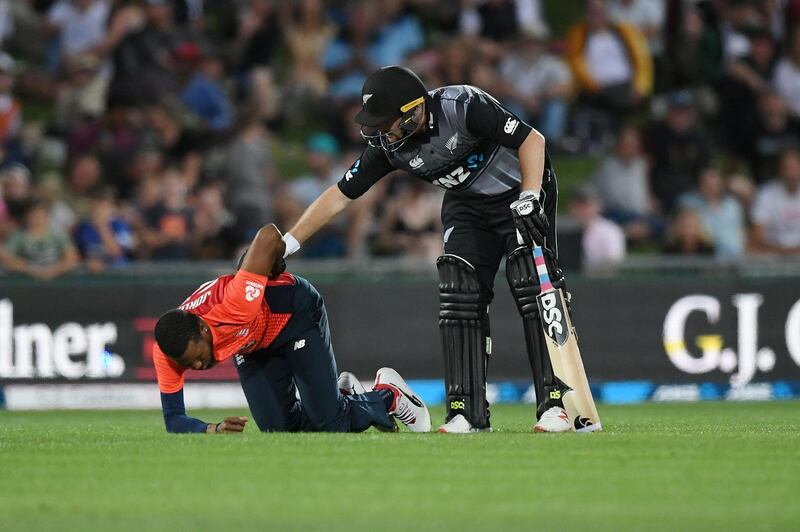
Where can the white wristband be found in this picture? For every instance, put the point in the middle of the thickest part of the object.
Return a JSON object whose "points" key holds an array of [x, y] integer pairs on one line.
{"points": [[530, 193], [292, 245]]}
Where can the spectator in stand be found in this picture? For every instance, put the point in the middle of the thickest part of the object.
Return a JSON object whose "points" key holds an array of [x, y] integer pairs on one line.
{"points": [[376, 34], [687, 235], [411, 224], [10, 107], [776, 210], [308, 34], [258, 38], [181, 146], [83, 94], [646, 15], [787, 73], [6, 21], [200, 92], [399, 36], [624, 188], [611, 63], [103, 237], [168, 233], [492, 19], [114, 138], [213, 237], [36, 250], [747, 77], [677, 150], [85, 175], [775, 132], [450, 62], [15, 182], [603, 241], [78, 25], [540, 82], [142, 65], [721, 213], [324, 170], [249, 174]]}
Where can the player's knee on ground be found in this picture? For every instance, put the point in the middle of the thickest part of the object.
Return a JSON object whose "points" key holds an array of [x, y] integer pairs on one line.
{"points": [[464, 329]]}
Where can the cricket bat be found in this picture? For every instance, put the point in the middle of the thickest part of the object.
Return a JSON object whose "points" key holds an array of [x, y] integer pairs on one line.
{"points": [[565, 357]]}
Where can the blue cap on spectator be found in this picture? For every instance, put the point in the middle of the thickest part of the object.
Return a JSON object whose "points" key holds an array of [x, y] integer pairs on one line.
{"points": [[680, 99], [323, 143]]}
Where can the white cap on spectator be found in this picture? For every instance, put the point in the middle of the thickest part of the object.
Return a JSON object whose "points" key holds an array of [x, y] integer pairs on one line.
{"points": [[6, 63]]}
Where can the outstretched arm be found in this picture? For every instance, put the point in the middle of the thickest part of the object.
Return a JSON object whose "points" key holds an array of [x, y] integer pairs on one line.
{"points": [[177, 421], [329, 204]]}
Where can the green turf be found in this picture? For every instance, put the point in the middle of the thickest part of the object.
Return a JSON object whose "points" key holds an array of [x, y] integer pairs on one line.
{"points": [[655, 467]]}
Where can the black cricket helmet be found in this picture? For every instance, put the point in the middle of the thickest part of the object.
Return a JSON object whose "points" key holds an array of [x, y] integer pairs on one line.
{"points": [[390, 93]]}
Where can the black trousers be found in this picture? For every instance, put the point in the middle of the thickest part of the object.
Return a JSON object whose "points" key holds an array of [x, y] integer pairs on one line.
{"points": [[481, 230], [301, 362]]}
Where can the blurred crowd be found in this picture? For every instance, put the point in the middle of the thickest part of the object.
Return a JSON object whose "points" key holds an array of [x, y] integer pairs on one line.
{"points": [[173, 129]]}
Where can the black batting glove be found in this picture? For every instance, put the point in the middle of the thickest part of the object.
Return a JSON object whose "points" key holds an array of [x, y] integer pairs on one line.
{"points": [[530, 220]]}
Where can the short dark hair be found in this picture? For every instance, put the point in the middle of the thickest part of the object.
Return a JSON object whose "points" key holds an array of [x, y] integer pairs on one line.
{"points": [[174, 330]]}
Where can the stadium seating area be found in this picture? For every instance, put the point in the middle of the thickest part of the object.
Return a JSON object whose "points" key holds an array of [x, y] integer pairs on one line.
{"points": [[171, 130]]}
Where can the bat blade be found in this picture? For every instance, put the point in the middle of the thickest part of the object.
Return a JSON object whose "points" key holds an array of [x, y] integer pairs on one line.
{"points": [[565, 357]]}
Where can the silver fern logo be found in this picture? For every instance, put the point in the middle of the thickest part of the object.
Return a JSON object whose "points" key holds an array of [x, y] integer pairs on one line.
{"points": [[452, 142], [416, 162]]}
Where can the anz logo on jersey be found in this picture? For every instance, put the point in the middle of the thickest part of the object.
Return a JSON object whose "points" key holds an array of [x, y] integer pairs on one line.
{"points": [[460, 174]]}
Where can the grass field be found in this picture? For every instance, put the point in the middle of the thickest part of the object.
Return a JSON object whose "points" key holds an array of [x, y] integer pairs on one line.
{"points": [[655, 467]]}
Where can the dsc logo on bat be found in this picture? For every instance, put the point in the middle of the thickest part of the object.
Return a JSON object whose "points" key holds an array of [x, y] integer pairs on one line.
{"points": [[552, 312]]}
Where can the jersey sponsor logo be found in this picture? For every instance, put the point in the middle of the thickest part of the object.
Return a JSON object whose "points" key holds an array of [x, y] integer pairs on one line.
{"points": [[416, 162], [474, 160], [452, 142], [299, 344], [511, 126], [554, 317], [366, 98], [252, 290], [447, 234], [454, 178], [353, 170]]}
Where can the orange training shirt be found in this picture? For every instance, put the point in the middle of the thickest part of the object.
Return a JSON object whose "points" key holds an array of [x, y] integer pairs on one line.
{"points": [[239, 317]]}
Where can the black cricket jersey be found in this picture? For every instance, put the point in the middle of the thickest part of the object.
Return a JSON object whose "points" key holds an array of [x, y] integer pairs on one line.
{"points": [[470, 148]]}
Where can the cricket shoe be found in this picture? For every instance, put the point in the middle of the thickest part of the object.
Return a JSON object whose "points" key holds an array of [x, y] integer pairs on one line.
{"points": [[555, 419], [349, 384], [407, 407], [460, 425]]}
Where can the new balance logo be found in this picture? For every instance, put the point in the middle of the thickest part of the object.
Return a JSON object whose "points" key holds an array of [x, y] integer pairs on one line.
{"points": [[416, 162], [511, 126], [299, 344], [452, 142]]}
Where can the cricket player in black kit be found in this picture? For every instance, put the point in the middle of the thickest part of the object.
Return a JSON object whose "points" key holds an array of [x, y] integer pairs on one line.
{"points": [[500, 200]]}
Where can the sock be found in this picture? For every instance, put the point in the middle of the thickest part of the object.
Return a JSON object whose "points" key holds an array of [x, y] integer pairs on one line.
{"points": [[388, 398]]}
